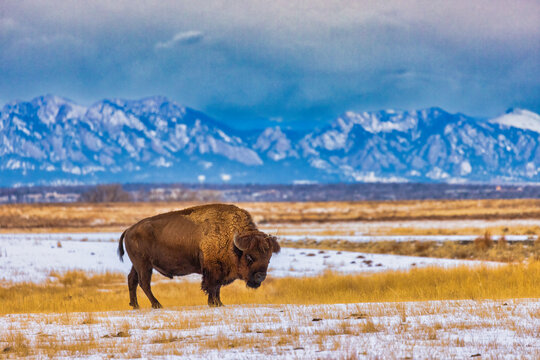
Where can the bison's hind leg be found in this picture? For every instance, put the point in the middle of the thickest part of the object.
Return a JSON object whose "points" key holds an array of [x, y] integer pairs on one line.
{"points": [[133, 281], [145, 276]]}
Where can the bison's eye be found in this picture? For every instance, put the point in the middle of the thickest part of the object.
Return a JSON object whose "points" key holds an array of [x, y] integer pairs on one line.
{"points": [[249, 259]]}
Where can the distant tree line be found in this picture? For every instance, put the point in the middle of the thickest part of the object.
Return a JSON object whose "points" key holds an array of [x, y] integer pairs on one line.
{"points": [[259, 192], [119, 193], [106, 193]]}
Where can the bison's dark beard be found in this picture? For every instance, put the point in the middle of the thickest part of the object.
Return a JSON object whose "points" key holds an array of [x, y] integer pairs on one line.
{"points": [[253, 284]]}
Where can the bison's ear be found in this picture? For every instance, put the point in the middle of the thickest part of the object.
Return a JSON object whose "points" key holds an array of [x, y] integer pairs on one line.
{"points": [[274, 244], [242, 242]]}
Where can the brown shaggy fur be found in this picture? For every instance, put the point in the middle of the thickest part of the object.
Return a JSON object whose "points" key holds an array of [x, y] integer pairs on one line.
{"points": [[201, 240]]}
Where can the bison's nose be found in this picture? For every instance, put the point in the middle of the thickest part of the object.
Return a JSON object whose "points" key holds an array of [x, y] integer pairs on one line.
{"points": [[259, 277]]}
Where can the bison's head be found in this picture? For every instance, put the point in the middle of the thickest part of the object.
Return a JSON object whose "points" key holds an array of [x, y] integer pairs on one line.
{"points": [[255, 250]]}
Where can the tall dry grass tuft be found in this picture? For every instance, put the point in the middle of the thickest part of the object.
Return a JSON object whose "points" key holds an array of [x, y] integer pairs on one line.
{"points": [[484, 242], [502, 243], [17, 344], [88, 294], [368, 327]]}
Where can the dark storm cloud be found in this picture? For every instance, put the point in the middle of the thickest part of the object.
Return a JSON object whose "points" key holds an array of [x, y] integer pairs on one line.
{"points": [[248, 61]]}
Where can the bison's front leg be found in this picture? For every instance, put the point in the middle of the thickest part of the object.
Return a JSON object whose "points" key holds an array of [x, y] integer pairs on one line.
{"points": [[213, 297], [212, 288]]}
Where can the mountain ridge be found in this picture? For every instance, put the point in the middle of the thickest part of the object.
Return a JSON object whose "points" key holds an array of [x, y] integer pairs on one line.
{"points": [[51, 139]]}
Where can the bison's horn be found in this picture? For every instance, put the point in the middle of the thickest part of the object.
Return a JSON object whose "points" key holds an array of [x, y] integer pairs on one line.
{"points": [[237, 244]]}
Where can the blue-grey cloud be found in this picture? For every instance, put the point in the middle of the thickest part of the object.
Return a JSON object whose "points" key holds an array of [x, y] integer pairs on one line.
{"points": [[258, 60]]}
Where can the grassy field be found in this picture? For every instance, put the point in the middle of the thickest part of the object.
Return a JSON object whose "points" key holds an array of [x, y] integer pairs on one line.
{"points": [[422, 313], [116, 216], [482, 248], [388, 315], [75, 291], [518, 229]]}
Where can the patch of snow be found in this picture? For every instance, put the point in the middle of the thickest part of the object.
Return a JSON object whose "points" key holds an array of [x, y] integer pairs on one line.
{"points": [[91, 141], [304, 182], [521, 119], [373, 123], [371, 177], [161, 124], [333, 140], [224, 136], [312, 262], [239, 153], [398, 238], [276, 143], [20, 125], [31, 257]]}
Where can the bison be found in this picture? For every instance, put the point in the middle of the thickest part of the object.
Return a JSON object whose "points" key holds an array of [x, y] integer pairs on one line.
{"points": [[219, 241]]}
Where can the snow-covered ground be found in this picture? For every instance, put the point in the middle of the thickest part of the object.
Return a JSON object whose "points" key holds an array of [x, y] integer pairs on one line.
{"points": [[32, 257], [310, 262], [504, 329], [400, 238], [307, 234], [375, 227]]}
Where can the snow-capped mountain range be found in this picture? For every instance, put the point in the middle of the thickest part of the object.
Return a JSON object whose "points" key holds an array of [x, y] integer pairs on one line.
{"points": [[52, 140]]}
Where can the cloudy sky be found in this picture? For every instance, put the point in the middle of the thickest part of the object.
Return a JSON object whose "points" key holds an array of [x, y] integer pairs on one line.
{"points": [[296, 62]]}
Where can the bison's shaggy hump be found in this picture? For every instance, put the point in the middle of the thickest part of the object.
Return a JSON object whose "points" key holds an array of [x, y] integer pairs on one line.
{"points": [[219, 241], [220, 224]]}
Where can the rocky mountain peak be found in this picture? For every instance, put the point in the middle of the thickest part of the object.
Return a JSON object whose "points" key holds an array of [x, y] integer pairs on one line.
{"points": [[51, 139]]}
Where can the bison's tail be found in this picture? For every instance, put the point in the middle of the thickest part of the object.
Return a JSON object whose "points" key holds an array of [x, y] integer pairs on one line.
{"points": [[121, 246]]}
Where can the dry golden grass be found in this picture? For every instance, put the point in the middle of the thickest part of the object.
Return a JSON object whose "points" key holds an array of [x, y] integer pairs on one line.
{"points": [[483, 248], [116, 216], [529, 230], [79, 216], [76, 291]]}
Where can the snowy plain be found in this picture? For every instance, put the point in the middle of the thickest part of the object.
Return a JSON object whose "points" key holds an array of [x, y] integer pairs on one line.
{"points": [[502, 329], [32, 258], [374, 227], [505, 329]]}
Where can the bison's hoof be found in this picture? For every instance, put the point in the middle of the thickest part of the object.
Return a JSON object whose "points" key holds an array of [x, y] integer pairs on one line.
{"points": [[156, 306]]}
